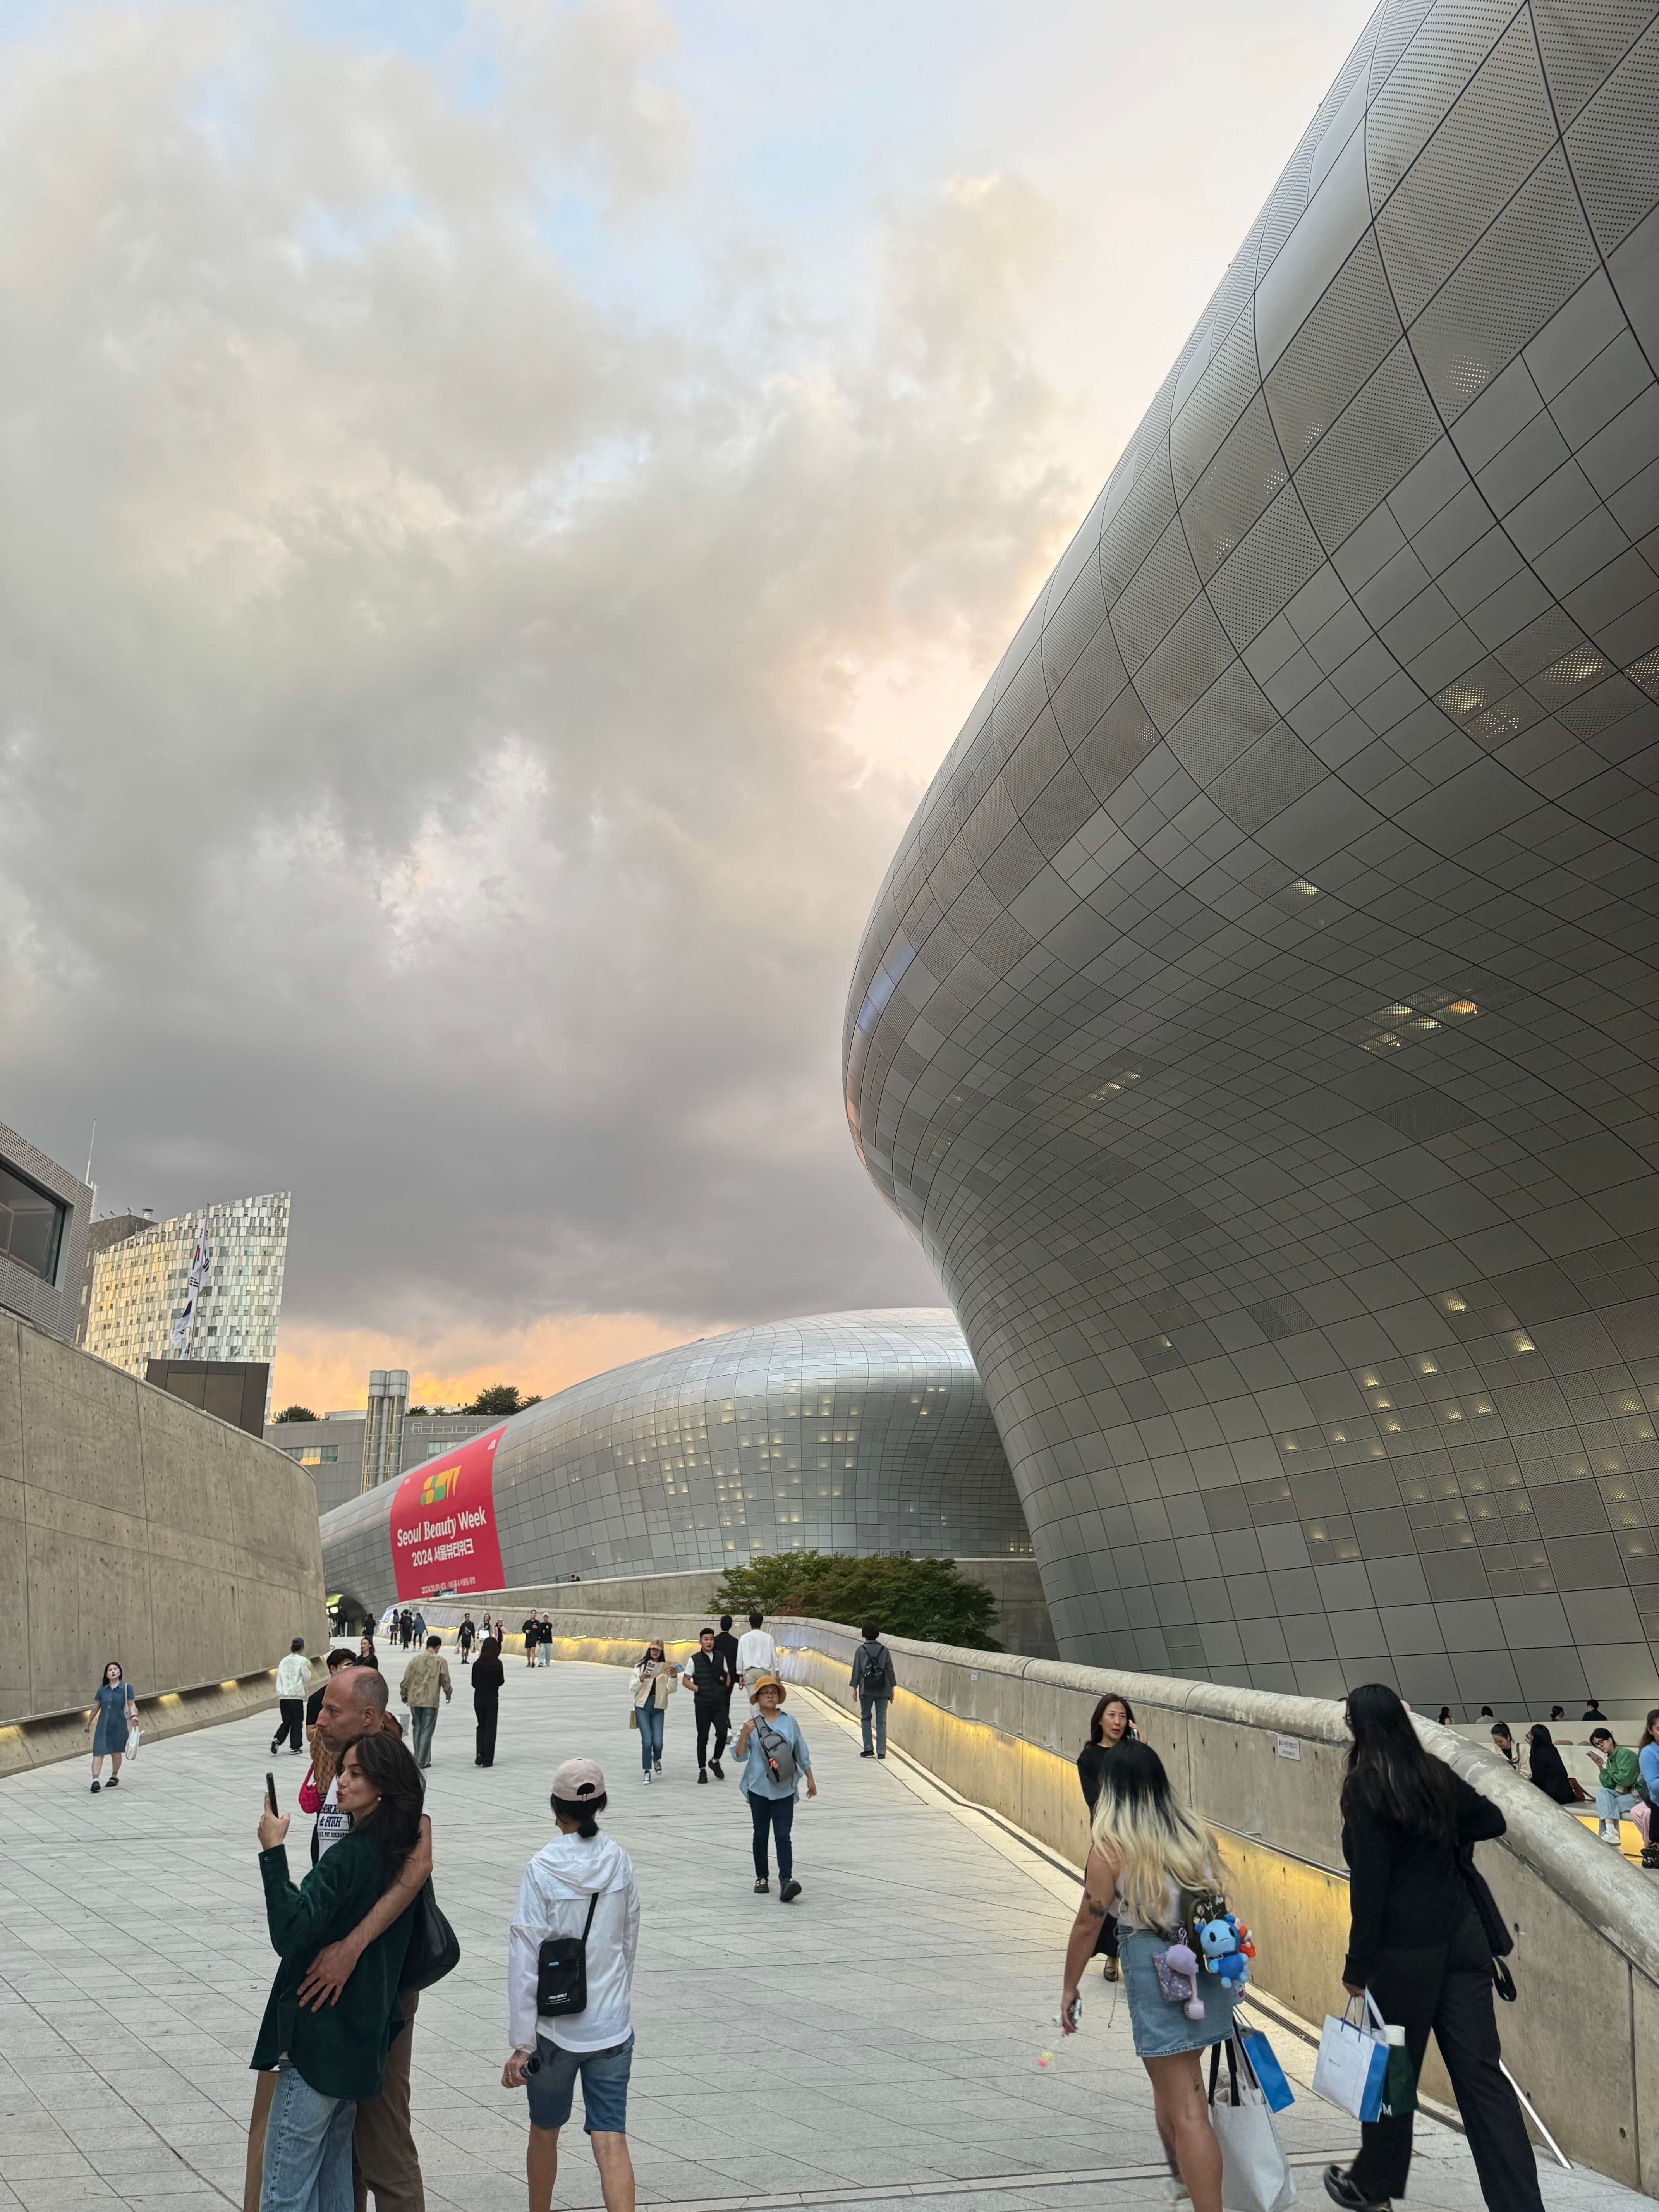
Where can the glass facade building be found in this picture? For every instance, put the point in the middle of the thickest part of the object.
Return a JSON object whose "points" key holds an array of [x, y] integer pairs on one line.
{"points": [[851, 1432], [206, 1285], [1258, 1024]]}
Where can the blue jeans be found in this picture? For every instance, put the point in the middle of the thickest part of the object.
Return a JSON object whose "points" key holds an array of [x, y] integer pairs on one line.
{"points": [[422, 1719], [1614, 1804], [605, 2086], [650, 1721], [544, 1653], [772, 1817], [307, 2161], [871, 1707]]}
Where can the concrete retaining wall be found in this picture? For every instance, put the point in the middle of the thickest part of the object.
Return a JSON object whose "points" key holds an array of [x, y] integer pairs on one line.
{"points": [[43, 1739], [1583, 2040], [1023, 1623], [133, 1526]]}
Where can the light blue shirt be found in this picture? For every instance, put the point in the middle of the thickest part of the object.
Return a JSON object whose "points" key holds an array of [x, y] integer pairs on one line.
{"points": [[754, 1778], [1650, 1764]]}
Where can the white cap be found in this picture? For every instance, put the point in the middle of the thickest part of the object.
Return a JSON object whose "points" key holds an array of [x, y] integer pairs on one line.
{"points": [[578, 1780]]}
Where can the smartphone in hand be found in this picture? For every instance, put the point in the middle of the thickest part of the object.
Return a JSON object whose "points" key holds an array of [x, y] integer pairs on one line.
{"points": [[271, 1793]]}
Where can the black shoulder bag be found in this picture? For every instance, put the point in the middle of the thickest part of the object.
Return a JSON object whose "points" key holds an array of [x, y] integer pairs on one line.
{"points": [[1493, 1925], [434, 1949], [562, 1971]]}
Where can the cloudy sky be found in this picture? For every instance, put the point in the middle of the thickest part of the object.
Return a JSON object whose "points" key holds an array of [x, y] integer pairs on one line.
{"points": [[502, 508]]}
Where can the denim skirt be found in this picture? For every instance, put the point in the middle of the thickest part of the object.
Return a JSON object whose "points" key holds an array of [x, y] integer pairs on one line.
{"points": [[1161, 2029]]}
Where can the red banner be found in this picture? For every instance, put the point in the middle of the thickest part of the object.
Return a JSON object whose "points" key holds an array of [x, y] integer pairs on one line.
{"points": [[443, 1523]]}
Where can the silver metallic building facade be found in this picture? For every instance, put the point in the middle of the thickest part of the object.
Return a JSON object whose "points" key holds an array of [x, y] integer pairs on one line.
{"points": [[851, 1433], [1257, 1025]]}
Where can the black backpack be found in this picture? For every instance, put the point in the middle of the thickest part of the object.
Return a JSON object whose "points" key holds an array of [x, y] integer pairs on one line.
{"points": [[562, 1971]]}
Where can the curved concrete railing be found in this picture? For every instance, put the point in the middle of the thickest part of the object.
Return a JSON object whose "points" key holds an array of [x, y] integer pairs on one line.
{"points": [[42, 1739], [1583, 2039]]}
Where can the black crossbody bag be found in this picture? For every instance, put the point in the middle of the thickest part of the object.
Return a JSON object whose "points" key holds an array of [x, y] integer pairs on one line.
{"points": [[562, 1971], [434, 1949]]}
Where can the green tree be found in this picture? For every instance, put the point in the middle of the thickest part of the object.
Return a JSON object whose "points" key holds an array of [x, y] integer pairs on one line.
{"points": [[501, 1398], [925, 1599], [419, 1409], [297, 1413]]}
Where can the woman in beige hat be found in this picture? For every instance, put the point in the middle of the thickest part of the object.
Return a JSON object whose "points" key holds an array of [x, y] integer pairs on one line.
{"points": [[775, 1757]]}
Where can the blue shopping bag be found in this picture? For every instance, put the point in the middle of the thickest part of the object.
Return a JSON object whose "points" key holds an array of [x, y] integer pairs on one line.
{"points": [[1269, 2074]]}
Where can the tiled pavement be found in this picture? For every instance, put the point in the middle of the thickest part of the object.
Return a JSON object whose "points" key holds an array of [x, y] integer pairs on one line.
{"points": [[875, 2044]]}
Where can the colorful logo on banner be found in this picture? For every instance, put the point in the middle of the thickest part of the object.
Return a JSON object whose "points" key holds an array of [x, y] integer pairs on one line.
{"points": [[443, 1523]]}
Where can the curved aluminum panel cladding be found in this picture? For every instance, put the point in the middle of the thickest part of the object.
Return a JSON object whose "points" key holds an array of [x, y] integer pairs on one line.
{"points": [[851, 1432], [1257, 1024]]}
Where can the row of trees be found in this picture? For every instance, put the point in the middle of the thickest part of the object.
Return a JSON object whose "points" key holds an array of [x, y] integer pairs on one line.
{"points": [[501, 1398], [925, 1599]]}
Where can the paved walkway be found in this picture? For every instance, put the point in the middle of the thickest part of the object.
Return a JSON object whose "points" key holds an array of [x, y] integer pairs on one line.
{"points": [[877, 2044]]}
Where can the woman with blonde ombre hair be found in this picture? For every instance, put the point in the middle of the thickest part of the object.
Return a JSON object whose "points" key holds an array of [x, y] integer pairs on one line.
{"points": [[1145, 1850]]}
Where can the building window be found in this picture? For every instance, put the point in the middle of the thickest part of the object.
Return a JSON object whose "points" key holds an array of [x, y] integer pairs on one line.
{"points": [[31, 1225]]}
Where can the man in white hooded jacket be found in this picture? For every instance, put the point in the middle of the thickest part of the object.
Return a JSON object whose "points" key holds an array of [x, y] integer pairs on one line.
{"points": [[579, 1871]]}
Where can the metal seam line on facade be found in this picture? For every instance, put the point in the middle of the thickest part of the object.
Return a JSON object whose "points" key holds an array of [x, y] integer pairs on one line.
{"points": [[1257, 1024]]}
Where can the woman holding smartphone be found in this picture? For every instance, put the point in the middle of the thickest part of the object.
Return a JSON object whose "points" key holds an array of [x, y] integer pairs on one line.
{"points": [[327, 2061]]}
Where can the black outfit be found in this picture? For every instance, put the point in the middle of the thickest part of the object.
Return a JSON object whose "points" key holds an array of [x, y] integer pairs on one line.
{"points": [[725, 1647], [1549, 1771], [1091, 1766], [290, 1723], [314, 1706], [487, 1675], [711, 1700], [1416, 1943]]}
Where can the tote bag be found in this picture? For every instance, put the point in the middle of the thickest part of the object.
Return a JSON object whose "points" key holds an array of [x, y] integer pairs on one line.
{"points": [[1255, 2175], [1353, 2061]]}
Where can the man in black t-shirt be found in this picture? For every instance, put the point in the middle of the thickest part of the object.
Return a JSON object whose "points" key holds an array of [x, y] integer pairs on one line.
{"points": [[711, 1679]]}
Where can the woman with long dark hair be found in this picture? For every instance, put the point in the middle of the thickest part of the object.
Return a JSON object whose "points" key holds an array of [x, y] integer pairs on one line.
{"points": [[1417, 1943], [581, 1885], [1111, 1723], [655, 1680], [329, 2060], [1146, 1848], [488, 1676], [1546, 1766], [110, 1722]]}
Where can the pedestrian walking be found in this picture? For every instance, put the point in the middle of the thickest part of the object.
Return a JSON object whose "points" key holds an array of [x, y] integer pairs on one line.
{"points": [[874, 1680], [1619, 1774], [776, 1757], [488, 1676], [532, 1631], [1111, 1723], [367, 1654], [419, 1628], [384, 2159], [1146, 1848], [711, 1703], [544, 1641], [726, 1646], [1416, 1942], [1546, 1766], [464, 1634], [110, 1722], [654, 1680], [426, 1675], [293, 1682], [758, 1654], [328, 2059], [581, 1885]]}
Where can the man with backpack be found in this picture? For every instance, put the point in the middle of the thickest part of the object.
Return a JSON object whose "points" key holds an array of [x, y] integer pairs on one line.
{"points": [[874, 1679]]}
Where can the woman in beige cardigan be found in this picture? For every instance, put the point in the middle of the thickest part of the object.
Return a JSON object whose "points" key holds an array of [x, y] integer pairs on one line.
{"points": [[655, 1681]]}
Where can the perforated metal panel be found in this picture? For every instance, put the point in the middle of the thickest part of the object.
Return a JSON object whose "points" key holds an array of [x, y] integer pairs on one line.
{"points": [[1258, 1023]]}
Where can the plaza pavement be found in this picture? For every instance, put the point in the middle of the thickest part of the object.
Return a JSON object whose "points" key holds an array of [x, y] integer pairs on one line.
{"points": [[878, 2044]]}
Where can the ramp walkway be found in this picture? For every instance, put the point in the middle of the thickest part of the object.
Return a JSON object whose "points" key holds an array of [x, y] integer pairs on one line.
{"points": [[896, 2016]]}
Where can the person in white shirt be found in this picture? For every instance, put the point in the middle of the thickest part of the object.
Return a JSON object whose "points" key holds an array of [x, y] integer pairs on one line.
{"points": [[292, 1682], [580, 1884], [758, 1655]]}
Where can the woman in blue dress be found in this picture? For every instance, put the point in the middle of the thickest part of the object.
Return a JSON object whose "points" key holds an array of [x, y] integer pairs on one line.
{"points": [[113, 1714]]}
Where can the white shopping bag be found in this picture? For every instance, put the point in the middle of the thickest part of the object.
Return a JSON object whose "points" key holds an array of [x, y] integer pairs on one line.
{"points": [[1255, 2175], [1353, 2059], [135, 1736]]}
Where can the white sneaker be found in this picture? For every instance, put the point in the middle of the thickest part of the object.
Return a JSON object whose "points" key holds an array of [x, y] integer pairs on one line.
{"points": [[645, 1777]]}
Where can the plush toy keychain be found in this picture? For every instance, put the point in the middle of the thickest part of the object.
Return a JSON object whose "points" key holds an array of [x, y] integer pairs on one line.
{"points": [[1226, 1945], [1183, 1960]]}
